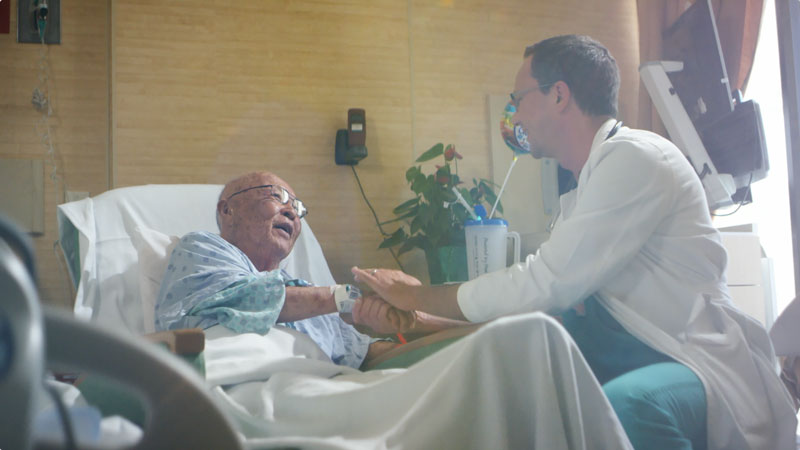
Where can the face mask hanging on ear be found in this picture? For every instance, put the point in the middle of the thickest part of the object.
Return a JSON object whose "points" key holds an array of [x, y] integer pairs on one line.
{"points": [[514, 136]]}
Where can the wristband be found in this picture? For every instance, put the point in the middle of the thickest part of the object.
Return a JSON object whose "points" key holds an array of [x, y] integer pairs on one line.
{"points": [[345, 296]]}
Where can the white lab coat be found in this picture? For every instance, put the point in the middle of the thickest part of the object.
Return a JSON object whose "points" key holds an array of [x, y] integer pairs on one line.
{"points": [[637, 232]]}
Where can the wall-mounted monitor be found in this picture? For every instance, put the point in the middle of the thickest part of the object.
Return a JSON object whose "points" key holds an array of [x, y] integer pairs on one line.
{"points": [[731, 130]]}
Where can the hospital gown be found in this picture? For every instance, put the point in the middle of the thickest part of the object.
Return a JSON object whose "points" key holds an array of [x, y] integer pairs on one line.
{"points": [[209, 281]]}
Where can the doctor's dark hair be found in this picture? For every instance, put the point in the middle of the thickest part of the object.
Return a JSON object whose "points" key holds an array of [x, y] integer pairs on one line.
{"points": [[584, 64]]}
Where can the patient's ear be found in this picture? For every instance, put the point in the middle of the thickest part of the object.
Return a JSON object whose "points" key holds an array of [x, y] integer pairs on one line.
{"points": [[224, 212], [222, 207]]}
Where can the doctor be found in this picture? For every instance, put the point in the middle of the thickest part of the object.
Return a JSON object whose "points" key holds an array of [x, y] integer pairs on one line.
{"points": [[634, 267]]}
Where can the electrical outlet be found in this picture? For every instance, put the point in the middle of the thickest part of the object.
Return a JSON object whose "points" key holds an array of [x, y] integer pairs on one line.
{"points": [[27, 26]]}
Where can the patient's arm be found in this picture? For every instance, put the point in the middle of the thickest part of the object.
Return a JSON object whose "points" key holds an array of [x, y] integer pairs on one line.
{"points": [[376, 349], [448, 334], [304, 302], [428, 323]]}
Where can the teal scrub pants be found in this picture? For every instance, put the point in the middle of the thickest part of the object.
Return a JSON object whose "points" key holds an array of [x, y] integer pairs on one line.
{"points": [[660, 402]]}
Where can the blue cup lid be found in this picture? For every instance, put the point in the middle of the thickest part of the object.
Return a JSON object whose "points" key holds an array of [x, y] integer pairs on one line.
{"points": [[470, 223]]}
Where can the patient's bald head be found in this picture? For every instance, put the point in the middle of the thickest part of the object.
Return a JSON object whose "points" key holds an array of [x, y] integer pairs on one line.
{"points": [[251, 217]]}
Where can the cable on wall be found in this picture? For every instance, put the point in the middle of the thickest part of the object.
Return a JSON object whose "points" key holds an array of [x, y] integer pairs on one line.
{"points": [[375, 215], [43, 103]]}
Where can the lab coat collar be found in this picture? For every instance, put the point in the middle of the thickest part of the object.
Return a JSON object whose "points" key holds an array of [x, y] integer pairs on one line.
{"points": [[602, 133], [599, 138]]}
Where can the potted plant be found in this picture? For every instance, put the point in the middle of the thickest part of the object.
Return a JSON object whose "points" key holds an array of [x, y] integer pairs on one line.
{"points": [[434, 219]]}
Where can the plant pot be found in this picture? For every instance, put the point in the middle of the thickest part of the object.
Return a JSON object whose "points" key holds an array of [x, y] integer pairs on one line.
{"points": [[447, 264]]}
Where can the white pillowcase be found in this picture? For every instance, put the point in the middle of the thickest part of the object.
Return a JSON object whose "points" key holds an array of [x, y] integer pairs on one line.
{"points": [[154, 249]]}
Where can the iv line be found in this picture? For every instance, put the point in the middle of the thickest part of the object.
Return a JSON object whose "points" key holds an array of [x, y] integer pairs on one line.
{"points": [[502, 188]]}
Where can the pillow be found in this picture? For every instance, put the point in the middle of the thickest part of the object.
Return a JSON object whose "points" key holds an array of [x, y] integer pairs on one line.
{"points": [[153, 249], [108, 273]]}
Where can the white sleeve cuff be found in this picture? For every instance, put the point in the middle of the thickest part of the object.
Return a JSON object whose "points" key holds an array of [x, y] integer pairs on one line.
{"points": [[470, 308]]}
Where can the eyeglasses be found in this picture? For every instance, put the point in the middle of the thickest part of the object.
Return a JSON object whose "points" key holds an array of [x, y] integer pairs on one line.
{"points": [[280, 194], [517, 96]]}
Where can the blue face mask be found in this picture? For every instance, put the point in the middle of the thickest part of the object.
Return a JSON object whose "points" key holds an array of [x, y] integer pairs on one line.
{"points": [[514, 135]]}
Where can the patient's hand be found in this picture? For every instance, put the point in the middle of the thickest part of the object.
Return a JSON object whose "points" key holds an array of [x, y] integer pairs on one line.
{"points": [[382, 317]]}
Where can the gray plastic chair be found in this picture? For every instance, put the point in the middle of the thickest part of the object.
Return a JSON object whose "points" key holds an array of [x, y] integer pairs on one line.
{"points": [[180, 411], [21, 337]]}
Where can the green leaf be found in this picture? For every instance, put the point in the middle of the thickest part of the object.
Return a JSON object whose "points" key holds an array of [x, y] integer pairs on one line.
{"points": [[426, 214], [460, 215], [405, 206], [490, 198], [476, 195], [416, 224], [431, 153], [449, 196], [396, 238], [413, 172], [428, 191], [405, 216], [407, 246], [467, 196], [490, 195], [420, 242], [419, 184]]}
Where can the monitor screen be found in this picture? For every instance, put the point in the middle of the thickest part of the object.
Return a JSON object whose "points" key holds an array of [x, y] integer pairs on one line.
{"points": [[702, 85]]}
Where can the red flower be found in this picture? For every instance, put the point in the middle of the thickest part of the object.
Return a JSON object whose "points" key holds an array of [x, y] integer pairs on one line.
{"points": [[450, 153]]}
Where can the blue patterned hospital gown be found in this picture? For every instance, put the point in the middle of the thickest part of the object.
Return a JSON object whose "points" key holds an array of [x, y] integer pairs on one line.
{"points": [[210, 281]]}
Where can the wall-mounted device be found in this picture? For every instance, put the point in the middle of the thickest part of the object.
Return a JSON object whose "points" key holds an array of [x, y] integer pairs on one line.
{"points": [[722, 136], [37, 17], [351, 143]]}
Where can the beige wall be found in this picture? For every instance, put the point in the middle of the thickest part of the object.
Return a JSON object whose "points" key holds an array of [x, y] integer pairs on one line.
{"points": [[79, 126], [202, 91]]}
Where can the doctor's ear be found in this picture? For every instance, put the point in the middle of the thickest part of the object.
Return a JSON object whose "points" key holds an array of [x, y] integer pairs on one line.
{"points": [[562, 93]]}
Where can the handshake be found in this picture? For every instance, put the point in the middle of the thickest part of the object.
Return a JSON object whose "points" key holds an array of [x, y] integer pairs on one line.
{"points": [[372, 311]]}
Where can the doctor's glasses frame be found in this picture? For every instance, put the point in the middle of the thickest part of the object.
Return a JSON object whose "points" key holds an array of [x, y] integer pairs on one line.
{"points": [[517, 96]]}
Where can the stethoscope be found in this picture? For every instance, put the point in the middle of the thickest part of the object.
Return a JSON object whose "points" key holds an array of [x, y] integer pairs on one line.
{"points": [[610, 134]]}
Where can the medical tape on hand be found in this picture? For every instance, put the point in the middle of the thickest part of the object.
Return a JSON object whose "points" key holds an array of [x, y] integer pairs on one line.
{"points": [[345, 296]]}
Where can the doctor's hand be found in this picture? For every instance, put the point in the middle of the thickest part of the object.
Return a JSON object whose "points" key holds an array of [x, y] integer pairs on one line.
{"points": [[382, 317], [393, 286]]}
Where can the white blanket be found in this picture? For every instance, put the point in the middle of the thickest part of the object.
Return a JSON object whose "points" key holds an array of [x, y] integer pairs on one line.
{"points": [[518, 382]]}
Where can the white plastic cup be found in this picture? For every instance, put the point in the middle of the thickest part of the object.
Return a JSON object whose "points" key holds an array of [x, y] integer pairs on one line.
{"points": [[487, 245]]}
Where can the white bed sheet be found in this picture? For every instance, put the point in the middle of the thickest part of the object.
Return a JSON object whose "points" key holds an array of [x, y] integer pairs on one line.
{"points": [[518, 382]]}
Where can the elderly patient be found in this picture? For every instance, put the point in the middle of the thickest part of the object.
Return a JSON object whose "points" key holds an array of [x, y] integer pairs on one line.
{"points": [[233, 278]]}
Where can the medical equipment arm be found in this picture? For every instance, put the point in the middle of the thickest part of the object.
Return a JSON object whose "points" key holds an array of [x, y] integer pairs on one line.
{"points": [[21, 335], [719, 187], [181, 412]]}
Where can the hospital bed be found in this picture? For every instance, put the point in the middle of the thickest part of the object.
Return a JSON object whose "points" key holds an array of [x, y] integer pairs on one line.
{"points": [[517, 382]]}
